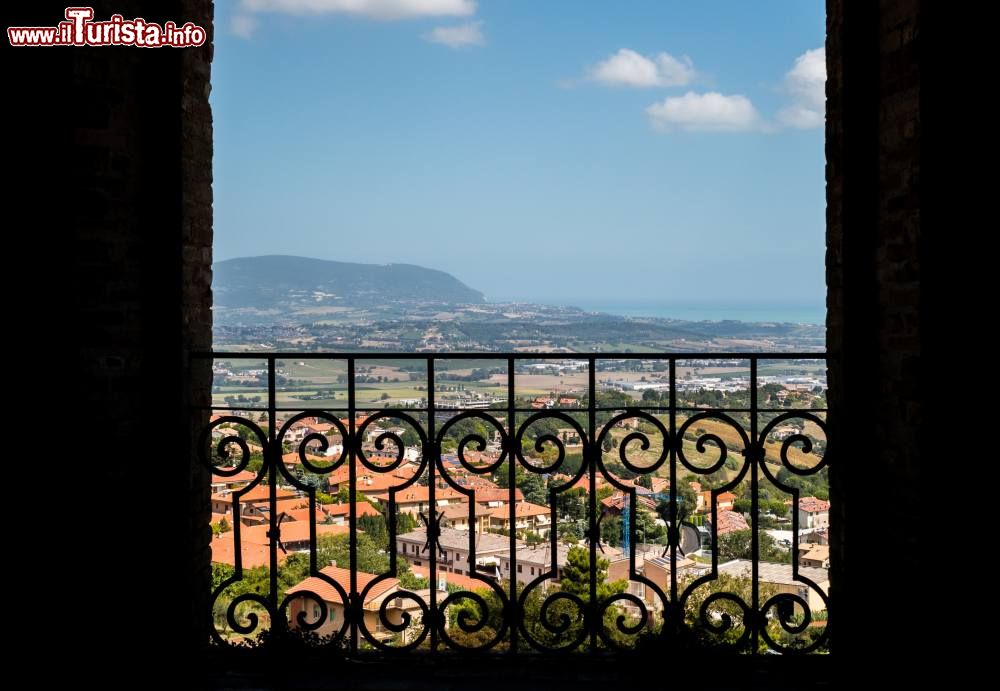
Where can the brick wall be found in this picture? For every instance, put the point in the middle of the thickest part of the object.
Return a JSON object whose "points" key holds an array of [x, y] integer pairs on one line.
{"points": [[874, 318], [117, 163]]}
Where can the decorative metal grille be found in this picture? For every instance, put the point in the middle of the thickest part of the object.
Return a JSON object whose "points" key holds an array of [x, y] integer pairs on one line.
{"points": [[675, 593]]}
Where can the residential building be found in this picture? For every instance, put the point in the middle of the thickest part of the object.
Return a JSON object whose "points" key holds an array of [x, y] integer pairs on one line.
{"points": [[235, 481], [415, 499], [379, 592], [815, 555], [456, 516], [453, 556], [254, 506], [527, 516], [781, 576], [814, 513], [534, 561]]}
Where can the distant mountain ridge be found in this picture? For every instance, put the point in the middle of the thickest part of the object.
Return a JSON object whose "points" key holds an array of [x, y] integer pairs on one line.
{"points": [[282, 281]]}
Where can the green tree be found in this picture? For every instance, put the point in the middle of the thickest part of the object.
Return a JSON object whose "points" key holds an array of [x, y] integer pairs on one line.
{"points": [[647, 530], [687, 500], [570, 532], [725, 583], [375, 528], [221, 527], [405, 523], [611, 529], [575, 576], [533, 488], [738, 545], [572, 503]]}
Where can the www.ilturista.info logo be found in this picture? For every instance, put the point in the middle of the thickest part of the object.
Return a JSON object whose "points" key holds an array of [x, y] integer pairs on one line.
{"points": [[79, 29]]}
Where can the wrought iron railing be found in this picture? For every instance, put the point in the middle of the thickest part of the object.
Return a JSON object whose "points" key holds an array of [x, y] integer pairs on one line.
{"points": [[623, 456]]}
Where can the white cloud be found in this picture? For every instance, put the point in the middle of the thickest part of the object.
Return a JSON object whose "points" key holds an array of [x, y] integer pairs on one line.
{"points": [[386, 10], [709, 112], [806, 84], [243, 25], [629, 68], [800, 117], [460, 36]]}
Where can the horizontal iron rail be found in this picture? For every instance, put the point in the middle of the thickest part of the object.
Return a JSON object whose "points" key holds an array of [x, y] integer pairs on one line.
{"points": [[494, 355]]}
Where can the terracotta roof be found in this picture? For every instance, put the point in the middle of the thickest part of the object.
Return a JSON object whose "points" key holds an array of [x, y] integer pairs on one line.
{"points": [[291, 531], [242, 476], [813, 505], [368, 481], [583, 482], [343, 577], [523, 509], [302, 514], [260, 493], [731, 521], [814, 552], [487, 495], [292, 458], [254, 553], [464, 582], [323, 427], [419, 493], [364, 509], [453, 511], [476, 482], [615, 501]]}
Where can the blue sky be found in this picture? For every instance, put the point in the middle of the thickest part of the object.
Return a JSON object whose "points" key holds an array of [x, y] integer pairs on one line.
{"points": [[557, 151]]}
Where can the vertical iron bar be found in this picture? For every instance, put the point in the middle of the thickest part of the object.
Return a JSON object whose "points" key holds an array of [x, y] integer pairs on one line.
{"points": [[754, 539], [592, 500], [512, 479], [271, 463], [352, 482], [432, 522], [674, 489]]}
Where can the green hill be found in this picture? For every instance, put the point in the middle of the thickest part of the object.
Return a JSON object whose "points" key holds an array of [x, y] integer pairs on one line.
{"points": [[281, 282]]}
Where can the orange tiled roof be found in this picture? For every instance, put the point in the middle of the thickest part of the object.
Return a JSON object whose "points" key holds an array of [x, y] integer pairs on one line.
{"points": [[499, 494], [292, 458], [364, 509], [418, 493], [254, 554], [522, 509], [260, 493], [343, 577], [464, 582], [731, 521], [813, 505], [242, 476]]}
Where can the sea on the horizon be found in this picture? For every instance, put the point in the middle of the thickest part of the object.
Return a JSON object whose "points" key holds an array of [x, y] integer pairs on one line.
{"points": [[792, 312]]}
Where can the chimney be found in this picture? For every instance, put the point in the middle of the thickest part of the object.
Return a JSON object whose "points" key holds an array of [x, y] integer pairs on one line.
{"points": [[333, 562]]}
